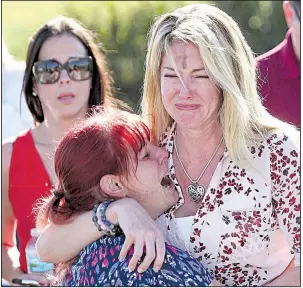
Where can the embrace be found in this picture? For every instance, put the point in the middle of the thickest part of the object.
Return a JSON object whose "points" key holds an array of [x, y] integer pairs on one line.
{"points": [[217, 172]]}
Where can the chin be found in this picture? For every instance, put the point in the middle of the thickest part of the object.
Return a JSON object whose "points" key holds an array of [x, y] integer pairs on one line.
{"points": [[71, 112], [171, 196], [187, 119], [176, 197]]}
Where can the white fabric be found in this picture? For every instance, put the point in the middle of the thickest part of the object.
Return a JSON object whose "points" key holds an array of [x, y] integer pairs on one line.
{"points": [[297, 261], [184, 225], [246, 230]]}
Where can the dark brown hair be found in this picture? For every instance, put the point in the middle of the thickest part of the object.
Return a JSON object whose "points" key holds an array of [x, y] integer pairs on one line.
{"points": [[101, 81]]}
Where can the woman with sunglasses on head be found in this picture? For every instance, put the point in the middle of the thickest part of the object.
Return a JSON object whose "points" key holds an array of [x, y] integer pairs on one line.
{"points": [[117, 162], [65, 75]]}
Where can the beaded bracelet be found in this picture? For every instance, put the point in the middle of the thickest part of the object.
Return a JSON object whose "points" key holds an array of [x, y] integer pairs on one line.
{"points": [[101, 213], [95, 218], [100, 220]]}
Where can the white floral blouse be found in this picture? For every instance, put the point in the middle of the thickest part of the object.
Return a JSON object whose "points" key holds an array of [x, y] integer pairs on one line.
{"points": [[247, 228]]}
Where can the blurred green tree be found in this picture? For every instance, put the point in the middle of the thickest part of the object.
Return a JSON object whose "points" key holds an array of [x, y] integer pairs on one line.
{"points": [[122, 28]]}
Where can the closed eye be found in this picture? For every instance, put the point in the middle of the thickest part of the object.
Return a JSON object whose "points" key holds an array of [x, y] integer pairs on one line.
{"points": [[144, 153], [145, 156], [202, 77], [170, 76]]}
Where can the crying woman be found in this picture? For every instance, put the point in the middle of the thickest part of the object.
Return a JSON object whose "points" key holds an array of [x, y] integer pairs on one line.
{"points": [[108, 157]]}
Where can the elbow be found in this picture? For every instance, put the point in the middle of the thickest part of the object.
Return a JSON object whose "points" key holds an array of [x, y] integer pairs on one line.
{"points": [[44, 246], [42, 249]]}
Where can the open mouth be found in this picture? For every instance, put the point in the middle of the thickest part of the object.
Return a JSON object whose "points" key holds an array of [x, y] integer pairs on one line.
{"points": [[166, 181]]}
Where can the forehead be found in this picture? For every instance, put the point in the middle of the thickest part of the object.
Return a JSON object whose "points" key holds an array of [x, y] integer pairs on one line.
{"points": [[61, 48], [184, 54]]}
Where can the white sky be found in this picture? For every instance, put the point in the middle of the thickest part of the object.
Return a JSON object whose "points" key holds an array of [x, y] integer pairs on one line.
{"points": [[12, 74]]}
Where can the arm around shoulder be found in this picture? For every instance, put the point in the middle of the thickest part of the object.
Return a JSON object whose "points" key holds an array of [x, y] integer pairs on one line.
{"points": [[60, 243], [10, 254]]}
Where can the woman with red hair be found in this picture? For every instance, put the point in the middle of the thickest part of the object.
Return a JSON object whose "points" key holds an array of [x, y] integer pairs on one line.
{"points": [[106, 158]]}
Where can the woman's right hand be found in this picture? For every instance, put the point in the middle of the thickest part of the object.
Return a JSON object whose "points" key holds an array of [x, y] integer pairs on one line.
{"points": [[139, 229], [41, 279]]}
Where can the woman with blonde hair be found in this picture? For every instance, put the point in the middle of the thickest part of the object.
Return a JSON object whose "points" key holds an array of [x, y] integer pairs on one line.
{"points": [[235, 166]]}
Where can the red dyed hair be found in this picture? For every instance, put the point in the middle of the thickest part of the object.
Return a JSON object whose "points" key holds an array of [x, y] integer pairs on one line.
{"points": [[99, 145]]}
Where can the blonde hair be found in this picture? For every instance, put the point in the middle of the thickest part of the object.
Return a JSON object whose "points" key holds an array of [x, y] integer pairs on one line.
{"points": [[229, 62]]}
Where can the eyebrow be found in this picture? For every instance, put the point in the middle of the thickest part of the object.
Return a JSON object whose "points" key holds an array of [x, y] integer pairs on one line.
{"points": [[194, 70]]}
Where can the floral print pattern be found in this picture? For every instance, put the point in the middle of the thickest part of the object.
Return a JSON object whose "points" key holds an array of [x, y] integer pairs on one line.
{"points": [[249, 216], [98, 265]]}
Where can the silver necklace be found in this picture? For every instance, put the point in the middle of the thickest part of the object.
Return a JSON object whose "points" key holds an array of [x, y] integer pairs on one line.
{"points": [[194, 190]]}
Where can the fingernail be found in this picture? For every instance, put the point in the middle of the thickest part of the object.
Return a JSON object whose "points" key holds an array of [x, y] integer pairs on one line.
{"points": [[131, 269], [156, 269], [140, 270]]}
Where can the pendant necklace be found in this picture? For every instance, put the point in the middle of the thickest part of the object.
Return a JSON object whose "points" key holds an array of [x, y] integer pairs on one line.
{"points": [[194, 190]]}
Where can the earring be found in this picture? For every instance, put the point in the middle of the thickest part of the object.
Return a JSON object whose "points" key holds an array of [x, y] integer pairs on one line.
{"points": [[34, 94]]}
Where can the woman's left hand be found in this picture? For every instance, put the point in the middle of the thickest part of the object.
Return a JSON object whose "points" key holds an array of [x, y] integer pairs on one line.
{"points": [[139, 229]]}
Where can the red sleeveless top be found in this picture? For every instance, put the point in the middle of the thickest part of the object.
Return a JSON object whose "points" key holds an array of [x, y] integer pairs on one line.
{"points": [[28, 181]]}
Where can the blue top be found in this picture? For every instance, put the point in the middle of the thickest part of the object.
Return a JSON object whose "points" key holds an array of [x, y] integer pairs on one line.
{"points": [[98, 265]]}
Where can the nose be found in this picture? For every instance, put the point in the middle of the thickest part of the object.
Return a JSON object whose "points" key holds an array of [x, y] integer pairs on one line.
{"points": [[184, 91], [64, 78], [162, 155]]}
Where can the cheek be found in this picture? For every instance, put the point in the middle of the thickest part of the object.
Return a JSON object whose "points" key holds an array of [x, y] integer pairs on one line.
{"points": [[83, 88], [47, 92], [209, 90], [146, 173], [141, 177], [215, 100], [203, 85], [169, 89]]}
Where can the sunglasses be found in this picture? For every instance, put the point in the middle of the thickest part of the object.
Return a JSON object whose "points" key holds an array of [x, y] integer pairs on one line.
{"points": [[49, 71]]}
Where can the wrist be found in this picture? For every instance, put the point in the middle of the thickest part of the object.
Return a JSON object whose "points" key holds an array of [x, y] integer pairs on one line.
{"points": [[115, 208], [111, 213]]}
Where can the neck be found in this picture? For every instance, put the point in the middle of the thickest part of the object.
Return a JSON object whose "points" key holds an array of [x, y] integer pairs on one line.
{"points": [[155, 214], [190, 142], [55, 129]]}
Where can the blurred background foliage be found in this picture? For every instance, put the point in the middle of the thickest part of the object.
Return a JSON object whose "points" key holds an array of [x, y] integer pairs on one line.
{"points": [[122, 27]]}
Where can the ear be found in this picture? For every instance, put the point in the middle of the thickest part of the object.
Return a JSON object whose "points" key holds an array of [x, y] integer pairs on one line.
{"points": [[288, 13], [112, 186]]}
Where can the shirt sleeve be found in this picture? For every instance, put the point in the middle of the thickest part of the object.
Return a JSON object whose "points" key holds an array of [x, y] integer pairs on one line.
{"points": [[285, 176]]}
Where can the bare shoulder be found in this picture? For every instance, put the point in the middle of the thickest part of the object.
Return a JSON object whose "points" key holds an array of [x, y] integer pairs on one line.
{"points": [[7, 149]]}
